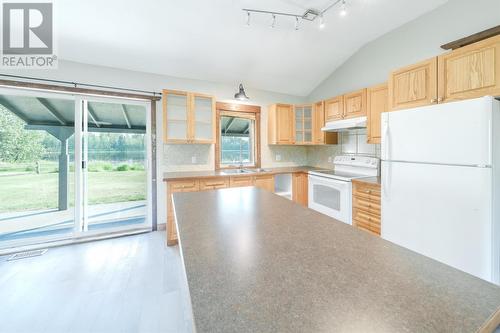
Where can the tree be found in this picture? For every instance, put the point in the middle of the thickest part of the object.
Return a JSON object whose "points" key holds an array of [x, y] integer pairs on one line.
{"points": [[16, 143]]}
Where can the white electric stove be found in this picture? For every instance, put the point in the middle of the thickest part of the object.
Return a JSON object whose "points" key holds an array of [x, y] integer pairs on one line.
{"points": [[330, 191]]}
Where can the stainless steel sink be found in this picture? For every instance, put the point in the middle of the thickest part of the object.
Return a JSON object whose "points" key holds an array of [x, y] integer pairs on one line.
{"points": [[235, 171], [261, 170], [243, 171]]}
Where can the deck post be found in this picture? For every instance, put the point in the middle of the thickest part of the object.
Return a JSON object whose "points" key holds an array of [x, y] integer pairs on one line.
{"points": [[63, 176], [61, 133]]}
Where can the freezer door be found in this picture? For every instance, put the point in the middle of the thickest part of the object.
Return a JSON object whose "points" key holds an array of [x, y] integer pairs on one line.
{"points": [[443, 212], [450, 133]]}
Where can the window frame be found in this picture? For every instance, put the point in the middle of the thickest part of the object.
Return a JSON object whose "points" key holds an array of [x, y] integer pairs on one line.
{"points": [[241, 111]]}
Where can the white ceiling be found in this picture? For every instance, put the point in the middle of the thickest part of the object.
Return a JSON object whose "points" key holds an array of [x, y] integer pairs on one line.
{"points": [[208, 39]]}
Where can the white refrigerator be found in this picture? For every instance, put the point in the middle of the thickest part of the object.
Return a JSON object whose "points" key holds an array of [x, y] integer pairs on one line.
{"points": [[440, 173]]}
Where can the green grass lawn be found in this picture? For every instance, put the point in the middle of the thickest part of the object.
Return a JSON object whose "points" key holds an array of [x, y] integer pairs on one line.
{"points": [[32, 191]]}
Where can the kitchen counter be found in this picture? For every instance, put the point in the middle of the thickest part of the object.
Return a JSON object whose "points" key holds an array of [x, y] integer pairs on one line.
{"points": [[218, 173], [256, 262], [369, 180]]}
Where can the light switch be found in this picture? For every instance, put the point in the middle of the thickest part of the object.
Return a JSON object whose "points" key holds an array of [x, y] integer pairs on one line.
{"points": [[278, 157], [193, 159]]}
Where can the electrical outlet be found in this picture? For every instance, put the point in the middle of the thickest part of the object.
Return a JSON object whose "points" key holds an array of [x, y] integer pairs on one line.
{"points": [[193, 159], [278, 157]]}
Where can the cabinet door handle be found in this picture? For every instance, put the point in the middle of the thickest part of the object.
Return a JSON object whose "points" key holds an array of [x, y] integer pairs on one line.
{"points": [[440, 99], [433, 100]]}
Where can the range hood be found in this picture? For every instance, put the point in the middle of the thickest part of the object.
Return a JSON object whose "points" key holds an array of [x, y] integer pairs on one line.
{"points": [[345, 125]]}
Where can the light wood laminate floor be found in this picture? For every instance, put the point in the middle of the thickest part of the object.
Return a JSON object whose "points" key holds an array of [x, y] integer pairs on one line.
{"points": [[127, 284]]}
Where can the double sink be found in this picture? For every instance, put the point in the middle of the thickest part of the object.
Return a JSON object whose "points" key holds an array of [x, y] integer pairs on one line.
{"points": [[243, 171]]}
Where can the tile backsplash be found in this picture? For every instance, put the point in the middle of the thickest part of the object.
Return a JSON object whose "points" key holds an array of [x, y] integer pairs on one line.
{"points": [[192, 157], [354, 142], [350, 143]]}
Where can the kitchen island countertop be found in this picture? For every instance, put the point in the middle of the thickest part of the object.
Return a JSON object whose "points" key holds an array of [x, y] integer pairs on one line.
{"points": [[256, 262]]}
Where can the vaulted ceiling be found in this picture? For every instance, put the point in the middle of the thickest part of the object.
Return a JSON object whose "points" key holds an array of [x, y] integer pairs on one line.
{"points": [[209, 40]]}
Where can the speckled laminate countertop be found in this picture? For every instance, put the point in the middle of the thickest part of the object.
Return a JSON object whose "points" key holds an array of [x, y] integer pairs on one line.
{"points": [[217, 173], [256, 262], [369, 180]]}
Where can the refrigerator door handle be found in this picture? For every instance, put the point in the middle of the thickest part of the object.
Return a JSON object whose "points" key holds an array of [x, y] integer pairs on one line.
{"points": [[386, 175], [385, 150]]}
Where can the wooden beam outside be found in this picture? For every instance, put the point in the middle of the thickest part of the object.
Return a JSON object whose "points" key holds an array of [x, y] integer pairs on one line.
{"points": [[125, 115], [52, 110], [13, 109], [92, 115]]}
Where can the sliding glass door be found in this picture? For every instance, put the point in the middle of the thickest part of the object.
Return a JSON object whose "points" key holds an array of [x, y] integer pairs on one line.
{"points": [[71, 166], [115, 164]]}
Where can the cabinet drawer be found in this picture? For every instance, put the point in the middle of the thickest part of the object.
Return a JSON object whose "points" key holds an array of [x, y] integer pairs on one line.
{"points": [[371, 206], [366, 221], [241, 181], [367, 191], [213, 183], [184, 185]]}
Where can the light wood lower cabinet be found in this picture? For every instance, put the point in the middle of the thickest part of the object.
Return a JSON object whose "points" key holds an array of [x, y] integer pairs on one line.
{"points": [[214, 183], [241, 181], [366, 206], [299, 188], [173, 187], [265, 182]]}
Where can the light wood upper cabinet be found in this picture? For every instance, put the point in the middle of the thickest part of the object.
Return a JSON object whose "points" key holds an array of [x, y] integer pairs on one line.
{"points": [[355, 104], [377, 102], [414, 85], [281, 124], [334, 108], [470, 71], [318, 121], [188, 117], [203, 118], [303, 124]]}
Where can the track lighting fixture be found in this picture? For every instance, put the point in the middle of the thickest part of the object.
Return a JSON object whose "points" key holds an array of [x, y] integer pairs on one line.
{"points": [[308, 15], [321, 22], [343, 9]]}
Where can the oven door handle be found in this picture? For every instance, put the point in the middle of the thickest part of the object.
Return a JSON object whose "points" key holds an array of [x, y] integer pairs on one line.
{"points": [[327, 181]]}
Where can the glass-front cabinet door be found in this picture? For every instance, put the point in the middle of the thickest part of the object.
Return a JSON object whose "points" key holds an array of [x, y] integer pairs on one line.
{"points": [[303, 124], [176, 116], [188, 117], [203, 107]]}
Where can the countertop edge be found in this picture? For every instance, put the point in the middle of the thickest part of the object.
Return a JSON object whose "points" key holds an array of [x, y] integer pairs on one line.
{"points": [[218, 174]]}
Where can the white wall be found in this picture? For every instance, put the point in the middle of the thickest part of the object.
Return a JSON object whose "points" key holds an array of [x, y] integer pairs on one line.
{"points": [[178, 157], [415, 41]]}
